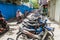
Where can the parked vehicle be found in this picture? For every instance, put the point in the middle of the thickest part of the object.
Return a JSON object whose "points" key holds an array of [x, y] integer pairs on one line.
{"points": [[3, 26], [43, 33]]}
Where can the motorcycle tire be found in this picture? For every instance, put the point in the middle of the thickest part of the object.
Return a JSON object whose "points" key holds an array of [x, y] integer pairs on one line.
{"points": [[35, 39], [49, 37], [21, 37], [10, 39], [4, 31]]}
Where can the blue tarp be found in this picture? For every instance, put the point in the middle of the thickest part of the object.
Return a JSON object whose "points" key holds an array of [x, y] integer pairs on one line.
{"points": [[9, 10]]}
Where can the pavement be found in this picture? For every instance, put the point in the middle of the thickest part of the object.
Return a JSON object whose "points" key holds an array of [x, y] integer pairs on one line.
{"points": [[14, 29]]}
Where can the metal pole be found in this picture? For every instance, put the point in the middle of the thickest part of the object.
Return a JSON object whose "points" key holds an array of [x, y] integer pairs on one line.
{"points": [[59, 21]]}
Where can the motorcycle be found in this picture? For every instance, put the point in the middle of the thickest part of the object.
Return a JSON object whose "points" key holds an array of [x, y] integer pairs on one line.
{"points": [[43, 32], [3, 26]]}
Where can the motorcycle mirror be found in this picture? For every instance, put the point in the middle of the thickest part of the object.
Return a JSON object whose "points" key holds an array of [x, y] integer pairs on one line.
{"points": [[46, 20]]}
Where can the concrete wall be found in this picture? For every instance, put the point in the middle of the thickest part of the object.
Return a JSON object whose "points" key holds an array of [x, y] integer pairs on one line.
{"points": [[57, 11], [52, 10]]}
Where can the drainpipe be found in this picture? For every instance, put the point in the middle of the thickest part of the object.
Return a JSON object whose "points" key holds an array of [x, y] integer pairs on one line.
{"points": [[59, 20]]}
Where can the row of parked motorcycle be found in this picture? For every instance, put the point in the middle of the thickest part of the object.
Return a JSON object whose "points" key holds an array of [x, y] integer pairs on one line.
{"points": [[35, 27]]}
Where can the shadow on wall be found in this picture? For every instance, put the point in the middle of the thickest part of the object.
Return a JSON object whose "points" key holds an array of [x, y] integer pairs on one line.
{"points": [[9, 10]]}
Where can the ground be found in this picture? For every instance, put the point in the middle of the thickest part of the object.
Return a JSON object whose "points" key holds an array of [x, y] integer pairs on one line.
{"points": [[12, 32]]}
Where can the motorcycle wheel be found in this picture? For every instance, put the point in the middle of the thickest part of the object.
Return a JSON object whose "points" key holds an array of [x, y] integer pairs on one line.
{"points": [[4, 31], [49, 37], [21, 37], [35, 39]]}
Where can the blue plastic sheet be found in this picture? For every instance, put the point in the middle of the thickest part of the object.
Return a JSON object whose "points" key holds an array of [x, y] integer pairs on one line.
{"points": [[9, 10]]}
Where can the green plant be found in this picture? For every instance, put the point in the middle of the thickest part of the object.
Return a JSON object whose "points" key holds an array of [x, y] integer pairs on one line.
{"points": [[35, 5]]}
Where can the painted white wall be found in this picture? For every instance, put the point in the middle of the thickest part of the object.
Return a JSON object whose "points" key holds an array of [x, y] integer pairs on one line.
{"points": [[57, 11], [52, 10]]}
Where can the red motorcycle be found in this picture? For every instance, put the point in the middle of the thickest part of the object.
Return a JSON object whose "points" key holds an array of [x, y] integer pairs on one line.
{"points": [[3, 26]]}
